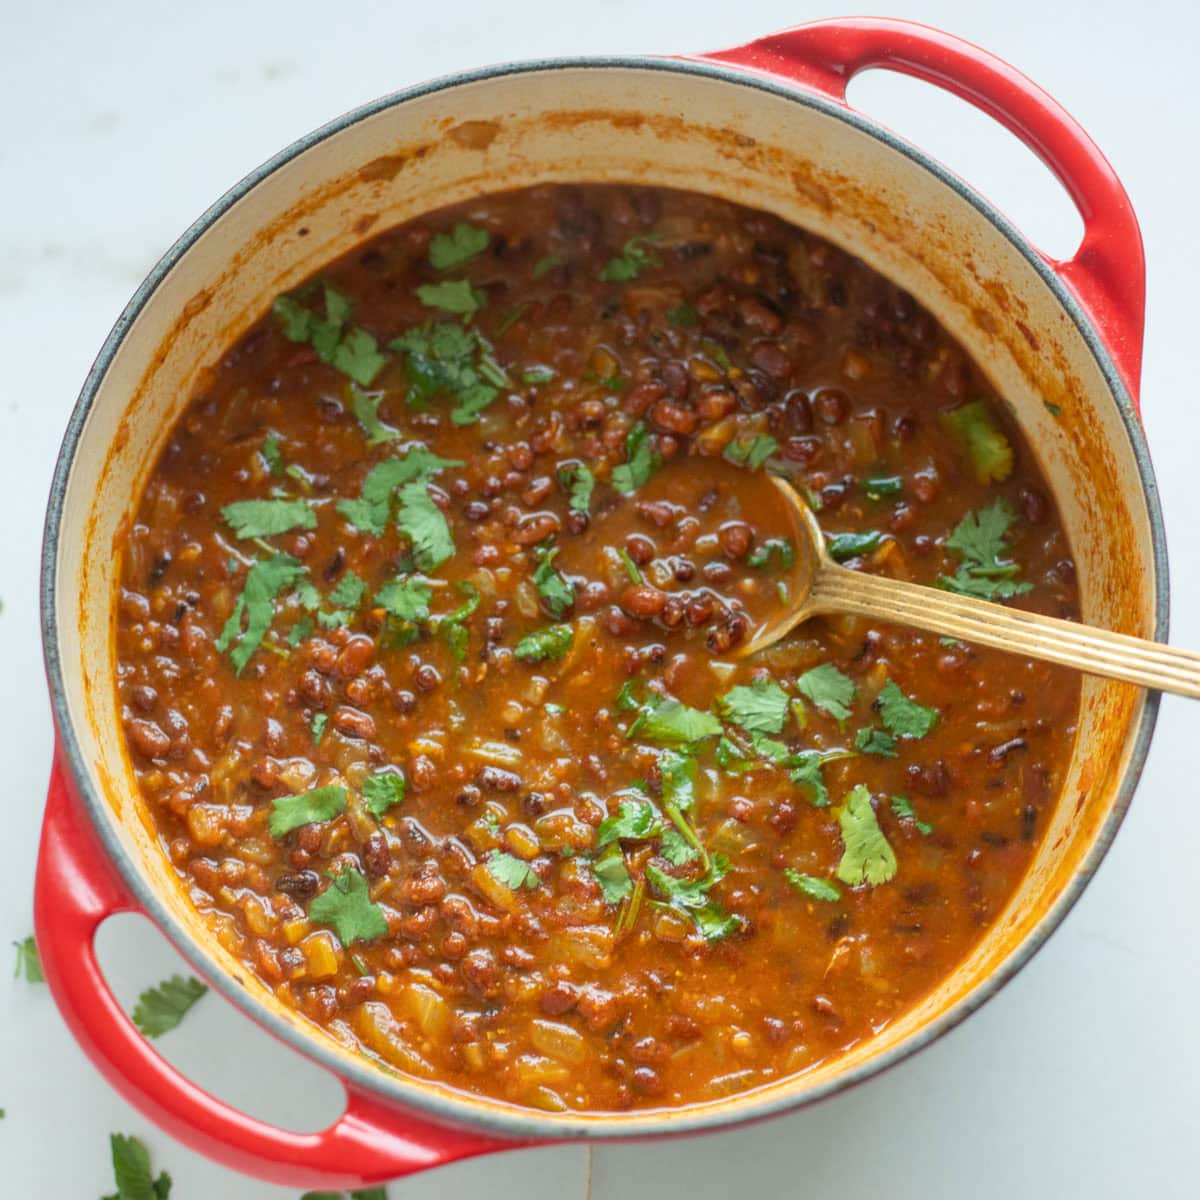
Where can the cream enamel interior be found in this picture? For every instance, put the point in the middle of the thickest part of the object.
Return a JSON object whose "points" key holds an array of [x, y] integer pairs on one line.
{"points": [[645, 125]]}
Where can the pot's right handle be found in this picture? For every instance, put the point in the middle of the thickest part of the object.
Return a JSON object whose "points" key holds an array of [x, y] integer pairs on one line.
{"points": [[1108, 272], [76, 889]]}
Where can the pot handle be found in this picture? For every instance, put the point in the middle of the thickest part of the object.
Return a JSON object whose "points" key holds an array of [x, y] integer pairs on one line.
{"points": [[76, 889], [1107, 274]]}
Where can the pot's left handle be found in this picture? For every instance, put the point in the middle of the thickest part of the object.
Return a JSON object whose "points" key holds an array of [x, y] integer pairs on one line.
{"points": [[76, 889]]}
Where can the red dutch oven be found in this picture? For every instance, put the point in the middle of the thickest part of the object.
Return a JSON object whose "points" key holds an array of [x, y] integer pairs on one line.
{"points": [[766, 125]]}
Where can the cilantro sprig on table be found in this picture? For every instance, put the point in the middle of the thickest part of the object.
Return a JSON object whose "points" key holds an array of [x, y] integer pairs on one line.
{"points": [[161, 1008], [132, 1173], [981, 540], [29, 962]]}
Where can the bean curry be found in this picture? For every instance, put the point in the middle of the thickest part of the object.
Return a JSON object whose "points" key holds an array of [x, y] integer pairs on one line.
{"points": [[427, 643]]}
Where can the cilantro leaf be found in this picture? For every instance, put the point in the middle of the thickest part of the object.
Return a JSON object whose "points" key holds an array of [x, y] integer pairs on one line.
{"points": [[760, 708], [384, 790], [266, 518], [272, 455], [665, 719], [452, 627], [751, 450], [903, 808], [366, 412], [763, 553], [632, 261], [546, 264], [714, 923], [692, 896], [902, 715], [807, 773], [453, 296], [159, 1009], [577, 480], [425, 526], [845, 546], [317, 727], [352, 351], [131, 1171], [349, 591], [675, 848], [557, 593], [981, 539], [613, 875], [511, 871], [641, 461], [406, 598], [870, 740], [536, 375], [828, 689], [678, 773], [301, 630], [683, 316], [463, 243], [552, 642], [631, 568], [879, 486], [811, 886], [264, 581], [369, 513], [346, 906], [358, 356], [866, 856], [448, 359], [29, 962], [305, 808], [634, 819], [988, 449]]}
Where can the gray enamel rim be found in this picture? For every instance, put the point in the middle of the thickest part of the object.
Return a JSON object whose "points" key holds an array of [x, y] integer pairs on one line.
{"points": [[517, 1123]]}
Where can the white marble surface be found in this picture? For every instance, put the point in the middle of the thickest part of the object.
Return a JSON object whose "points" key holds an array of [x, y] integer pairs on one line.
{"points": [[124, 120]]}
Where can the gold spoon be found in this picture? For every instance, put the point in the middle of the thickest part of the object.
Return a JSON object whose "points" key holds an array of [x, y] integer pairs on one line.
{"points": [[819, 585]]}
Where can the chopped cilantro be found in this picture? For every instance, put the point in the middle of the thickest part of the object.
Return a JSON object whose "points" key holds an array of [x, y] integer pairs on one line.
{"points": [[305, 808], [631, 568], [550, 643], [665, 719], [612, 875], [632, 261], [870, 740], [447, 359], [453, 296], [731, 758], [811, 886], [29, 962], [904, 810], [301, 630], [975, 427], [264, 581], [537, 375], [844, 546], [577, 480], [546, 264], [463, 243], [406, 598], [828, 689], [317, 727], [877, 487], [366, 412], [760, 708], [684, 316], [807, 773], [981, 539], [383, 790], [352, 351], [678, 783], [272, 455], [349, 591], [425, 526], [131, 1172], [641, 461], [635, 819], [626, 701], [751, 450], [773, 548], [346, 906], [676, 848], [557, 593], [266, 518], [866, 856], [452, 627], [902, 715], [159, 1009], [511, 871], [369, 513], [692, 896]]}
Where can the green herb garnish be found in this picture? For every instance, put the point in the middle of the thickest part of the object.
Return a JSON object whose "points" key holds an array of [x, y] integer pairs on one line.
{"points": [[317, 726], [366, 412], [779, 549], [760, 708], [751, 451], [902, 807], [550, 643], [866, 857], [537, 375], [557, 592], [425, 525], [369, 513], [511, 871], [546, 264], [988, 449], [577, 480], [305, 808], [352, 351], [455, 296], [383, 790], [902, 715], [131, 1172], [684, 316], [635, 819], [844, 546], [445, 359], [452, 627], [631, 568], [266, 518], [346, 906], [29, 963], [870, 740], [632, 261], [406, 599], [880, 486], [272, 455], [981, 539], [828, 689], [159, 1009], [612, 875], [665, 719], [641, 461], [811, 886], [463, 243], [264, 581]]}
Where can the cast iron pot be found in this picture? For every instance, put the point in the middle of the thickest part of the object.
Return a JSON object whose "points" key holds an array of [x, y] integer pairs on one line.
{"points": [[765, 125]]}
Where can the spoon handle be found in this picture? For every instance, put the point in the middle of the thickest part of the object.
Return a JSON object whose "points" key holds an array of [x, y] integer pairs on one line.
{"points": [[1096, 651]]}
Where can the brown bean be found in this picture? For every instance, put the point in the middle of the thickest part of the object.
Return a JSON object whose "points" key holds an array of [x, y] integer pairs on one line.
{"points": [[497, 779], [427, 678], [265, 772], [559, 997], [356, 656], [299, 884], [640, 548], [482, 972], [535, 528], [715, 403], [148, 739], [736, 538], [643, 600], [143, 698], [771, 358], [377, 855], [759, 315], [674, 418], [423, 772], [350, 722], [832, 405], [314, 688]]}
